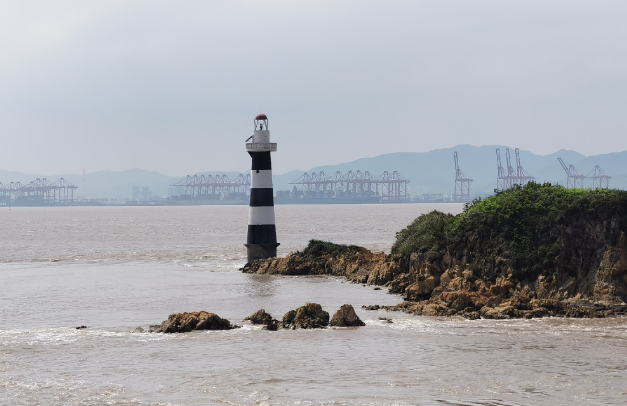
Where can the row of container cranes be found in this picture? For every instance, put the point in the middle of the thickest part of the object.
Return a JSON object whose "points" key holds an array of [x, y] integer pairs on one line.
{"points": [[511, 175], [37, 193], [314, 187], [388, 187]]}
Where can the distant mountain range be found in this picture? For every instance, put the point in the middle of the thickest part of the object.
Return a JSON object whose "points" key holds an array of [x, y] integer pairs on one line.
{"points": [[429, 172], [434, 171]]}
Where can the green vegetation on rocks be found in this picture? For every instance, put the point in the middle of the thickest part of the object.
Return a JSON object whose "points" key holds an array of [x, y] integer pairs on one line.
{"points": [[319, 248], [536, 229]]}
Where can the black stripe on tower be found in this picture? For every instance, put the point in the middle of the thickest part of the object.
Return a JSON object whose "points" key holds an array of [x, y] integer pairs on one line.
{"points": [[261, 197], [261, 234], [261, 161]]}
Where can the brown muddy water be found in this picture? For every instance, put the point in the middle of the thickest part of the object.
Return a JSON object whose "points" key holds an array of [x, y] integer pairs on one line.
{"points": [[116, 268]]}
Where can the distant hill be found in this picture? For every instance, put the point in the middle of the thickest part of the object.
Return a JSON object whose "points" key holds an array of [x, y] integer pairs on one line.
{"points": [[429, 172], [434, 171]]}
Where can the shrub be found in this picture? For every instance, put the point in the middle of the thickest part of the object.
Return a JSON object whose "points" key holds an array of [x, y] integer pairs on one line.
{"points": [[318, 248], [426, 233]]}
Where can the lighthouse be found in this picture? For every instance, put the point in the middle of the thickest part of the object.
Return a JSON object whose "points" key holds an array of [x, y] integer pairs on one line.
{"points": [[261, 241]]}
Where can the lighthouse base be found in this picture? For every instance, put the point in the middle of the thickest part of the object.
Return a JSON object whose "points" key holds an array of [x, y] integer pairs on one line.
{"points": [[261, 251]]}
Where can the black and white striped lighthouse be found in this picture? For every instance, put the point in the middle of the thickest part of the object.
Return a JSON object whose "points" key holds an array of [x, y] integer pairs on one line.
{"points": [[261, 241]]}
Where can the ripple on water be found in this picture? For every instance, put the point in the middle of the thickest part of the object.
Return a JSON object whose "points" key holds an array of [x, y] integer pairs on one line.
{"points": [[133, 267]]}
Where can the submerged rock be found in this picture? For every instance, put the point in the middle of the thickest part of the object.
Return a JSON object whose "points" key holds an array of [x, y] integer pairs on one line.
{"points": [[371, 307], [261, 317], [186, 322], [309, 316], [346, 317]]}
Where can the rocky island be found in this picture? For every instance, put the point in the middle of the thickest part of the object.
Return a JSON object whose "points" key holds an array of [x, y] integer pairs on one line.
{"points": [[532, 251]]}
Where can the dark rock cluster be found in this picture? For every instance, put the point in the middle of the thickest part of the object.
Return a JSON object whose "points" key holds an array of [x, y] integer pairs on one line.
{"points": [[194, 321], [261, 317], [308, 316]]}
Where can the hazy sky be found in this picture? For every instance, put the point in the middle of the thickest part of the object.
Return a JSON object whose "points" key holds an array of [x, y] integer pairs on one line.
{"points": [[174, 86]]}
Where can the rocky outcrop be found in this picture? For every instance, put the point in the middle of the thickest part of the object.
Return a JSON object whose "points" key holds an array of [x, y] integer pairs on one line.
{"points": [[346, 317], [439, 285], [309, 316], [261, 317], [364, 267], [186, 322]]}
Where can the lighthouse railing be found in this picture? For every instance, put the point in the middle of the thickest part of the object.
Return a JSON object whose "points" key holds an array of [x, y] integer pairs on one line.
{"points": [[261, 146]]}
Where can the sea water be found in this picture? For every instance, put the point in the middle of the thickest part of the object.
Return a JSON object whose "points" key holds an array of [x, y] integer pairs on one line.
{"points": [[116, 268]]}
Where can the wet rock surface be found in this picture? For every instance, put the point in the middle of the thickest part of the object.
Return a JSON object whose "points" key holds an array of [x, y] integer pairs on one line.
{"points": [[186, 322], [309, 316], [261, 317], [346, 317]]}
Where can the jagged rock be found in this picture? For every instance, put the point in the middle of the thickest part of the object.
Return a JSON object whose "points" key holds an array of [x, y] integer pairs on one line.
{"points": [[346, 317], [261, 317], [186, 322], [309, 316], [371, 307], [358, 265], [138, 330]]}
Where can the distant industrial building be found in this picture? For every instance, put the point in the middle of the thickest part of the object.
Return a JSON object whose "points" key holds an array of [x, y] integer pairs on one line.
{"points": [[141, 193]]}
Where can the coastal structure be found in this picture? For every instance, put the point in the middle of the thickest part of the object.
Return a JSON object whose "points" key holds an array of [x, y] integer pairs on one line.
{"points": [[39, 192], [210, 189], [510, 176], [261, 240], [350, 187], [574, 179], [462, 184]]}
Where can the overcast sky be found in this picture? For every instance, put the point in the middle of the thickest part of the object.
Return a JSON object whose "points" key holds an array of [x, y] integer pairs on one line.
{"points": [[174, 86]]}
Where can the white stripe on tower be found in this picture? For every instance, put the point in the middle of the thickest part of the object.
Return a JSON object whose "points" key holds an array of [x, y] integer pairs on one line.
{"points": [[261, 215], [261, 179]]}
